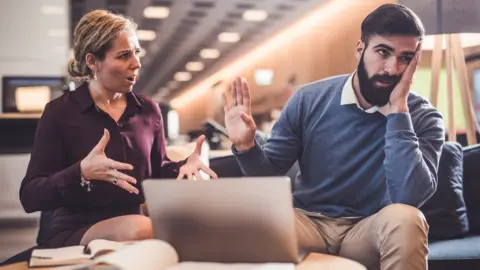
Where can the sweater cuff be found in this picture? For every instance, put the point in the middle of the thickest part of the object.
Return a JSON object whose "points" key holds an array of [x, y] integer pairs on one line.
{"points": [[69, 177], [399, 122], [250, 158]]}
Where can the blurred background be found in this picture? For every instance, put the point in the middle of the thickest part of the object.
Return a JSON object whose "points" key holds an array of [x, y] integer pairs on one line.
{"points": [[192, 50]]}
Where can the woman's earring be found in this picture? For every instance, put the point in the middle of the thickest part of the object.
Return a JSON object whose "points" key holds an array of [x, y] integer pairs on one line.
{"points": [[95, 76]]}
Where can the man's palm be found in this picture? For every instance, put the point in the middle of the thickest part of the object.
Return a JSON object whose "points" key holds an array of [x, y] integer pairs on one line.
{"points": [[238, 116]]}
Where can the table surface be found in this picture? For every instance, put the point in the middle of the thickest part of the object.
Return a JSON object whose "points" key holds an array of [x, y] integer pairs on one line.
{"points": [[312, 261]]}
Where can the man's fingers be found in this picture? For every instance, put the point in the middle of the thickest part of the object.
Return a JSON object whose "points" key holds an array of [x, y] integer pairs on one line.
{"points": [[239, 97], [412, 66], [246, 94], [119, 165], [209, 171], [189, 176], [121, 176], [248, 120], [233, 93], [100, 147], [225, 103]]}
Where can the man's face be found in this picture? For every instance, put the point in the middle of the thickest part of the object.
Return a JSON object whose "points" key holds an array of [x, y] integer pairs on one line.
{"points": [[381, 65]]}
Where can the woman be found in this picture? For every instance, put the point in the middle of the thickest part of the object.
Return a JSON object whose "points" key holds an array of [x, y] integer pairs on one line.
{"points": [[94, 145]]}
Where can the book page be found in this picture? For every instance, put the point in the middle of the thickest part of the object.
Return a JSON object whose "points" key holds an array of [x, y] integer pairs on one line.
{"points": [[58, 256], [228, 266], [100, 247], [147, 254]]}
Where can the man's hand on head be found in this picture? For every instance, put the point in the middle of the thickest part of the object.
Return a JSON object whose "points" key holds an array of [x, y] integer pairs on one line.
{"points": [[399, 95]]}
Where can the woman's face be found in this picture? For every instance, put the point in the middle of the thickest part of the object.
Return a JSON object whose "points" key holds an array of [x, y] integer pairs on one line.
{"points": [[118, 72]]}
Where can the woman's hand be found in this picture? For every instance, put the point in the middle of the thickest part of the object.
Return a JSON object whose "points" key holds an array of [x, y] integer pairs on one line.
{"points": [[97, 166], [193, 165]]}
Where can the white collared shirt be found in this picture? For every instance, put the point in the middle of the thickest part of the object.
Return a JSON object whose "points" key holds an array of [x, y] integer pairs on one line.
{"points": [[349, 97]]}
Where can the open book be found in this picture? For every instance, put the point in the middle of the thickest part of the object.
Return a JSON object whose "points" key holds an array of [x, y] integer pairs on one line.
{"points": [[74, 254], [159, 255]]}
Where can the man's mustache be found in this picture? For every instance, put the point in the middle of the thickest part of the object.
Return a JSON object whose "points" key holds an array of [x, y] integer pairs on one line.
{"points": [[386, 78]]}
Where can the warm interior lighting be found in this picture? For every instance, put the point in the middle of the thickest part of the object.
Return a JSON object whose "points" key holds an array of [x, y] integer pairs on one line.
{"points": [[173, 121], [194, 66], [142, 53], [229, 37], [172, 84], [255, 15], [319, 16], [263, 77], [147, 35], [32, 98], [468, 40], [156, 12], [182, 76], [209, 53]]}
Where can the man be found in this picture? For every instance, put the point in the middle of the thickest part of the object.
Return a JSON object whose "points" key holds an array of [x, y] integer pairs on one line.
{"points": [[367, 147]]}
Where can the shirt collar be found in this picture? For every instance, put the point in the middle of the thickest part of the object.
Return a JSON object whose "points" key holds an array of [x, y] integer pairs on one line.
{"points": [[86, 102], [349, 97]]}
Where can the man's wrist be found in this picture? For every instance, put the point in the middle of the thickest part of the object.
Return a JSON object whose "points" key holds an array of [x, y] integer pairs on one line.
{"points": [[403, 108], [244, 147]]}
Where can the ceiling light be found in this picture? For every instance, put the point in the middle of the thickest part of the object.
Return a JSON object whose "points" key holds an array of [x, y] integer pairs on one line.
{"points": [[146, 35], [255, 15], [229, 37], [156, 12], [210, 53], [52, 10], [194, 66], [182, 76], [248, 60], [142, 53]]}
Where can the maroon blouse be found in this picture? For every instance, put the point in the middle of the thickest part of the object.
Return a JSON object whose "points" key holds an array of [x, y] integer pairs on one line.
{"points": [[68, 130]]}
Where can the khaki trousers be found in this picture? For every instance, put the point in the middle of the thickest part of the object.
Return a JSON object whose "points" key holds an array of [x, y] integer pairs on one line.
{"points": [[395, 238]]}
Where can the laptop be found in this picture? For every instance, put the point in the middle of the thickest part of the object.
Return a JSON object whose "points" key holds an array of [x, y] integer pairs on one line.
{"points": [[230, 220]]}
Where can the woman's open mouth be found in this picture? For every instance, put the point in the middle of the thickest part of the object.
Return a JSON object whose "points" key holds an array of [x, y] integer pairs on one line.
{"points": [[131, 79]]}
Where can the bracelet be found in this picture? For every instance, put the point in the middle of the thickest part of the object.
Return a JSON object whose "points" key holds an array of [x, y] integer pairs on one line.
{"points": [[85, 183]]}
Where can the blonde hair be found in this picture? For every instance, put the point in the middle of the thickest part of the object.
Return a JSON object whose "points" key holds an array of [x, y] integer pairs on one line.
{"points": [[94, 34]]}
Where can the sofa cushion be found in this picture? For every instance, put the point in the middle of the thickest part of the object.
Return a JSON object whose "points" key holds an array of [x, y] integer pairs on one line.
{"points": [[445, 211], [471, 184], [467, 248]]}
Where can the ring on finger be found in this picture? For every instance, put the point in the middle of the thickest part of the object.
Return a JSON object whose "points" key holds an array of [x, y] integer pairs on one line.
{"points": [[115, 181]]}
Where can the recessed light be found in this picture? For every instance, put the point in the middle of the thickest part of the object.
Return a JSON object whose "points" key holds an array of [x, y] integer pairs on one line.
{"points": [[182, 76], [146, 35], [142, 53], [156, 12], [229, 37], [255, 15], [210, 53], [194, 66]]}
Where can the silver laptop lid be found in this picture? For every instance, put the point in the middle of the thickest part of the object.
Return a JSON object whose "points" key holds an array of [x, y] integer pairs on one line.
{"points": [[226, 220]]}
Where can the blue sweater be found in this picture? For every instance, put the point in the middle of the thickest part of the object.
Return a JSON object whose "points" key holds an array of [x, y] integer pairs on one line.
{"points": [[352, 163]]}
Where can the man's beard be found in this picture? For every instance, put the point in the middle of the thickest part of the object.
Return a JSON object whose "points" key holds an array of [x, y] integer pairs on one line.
{"points": [[375, 95]]}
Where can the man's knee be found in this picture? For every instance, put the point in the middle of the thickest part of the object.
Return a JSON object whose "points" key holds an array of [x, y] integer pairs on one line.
{"points": [[403, 219]]}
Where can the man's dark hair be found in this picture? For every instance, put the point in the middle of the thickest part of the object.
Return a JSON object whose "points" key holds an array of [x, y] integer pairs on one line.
{"points": [[392, 19]]}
